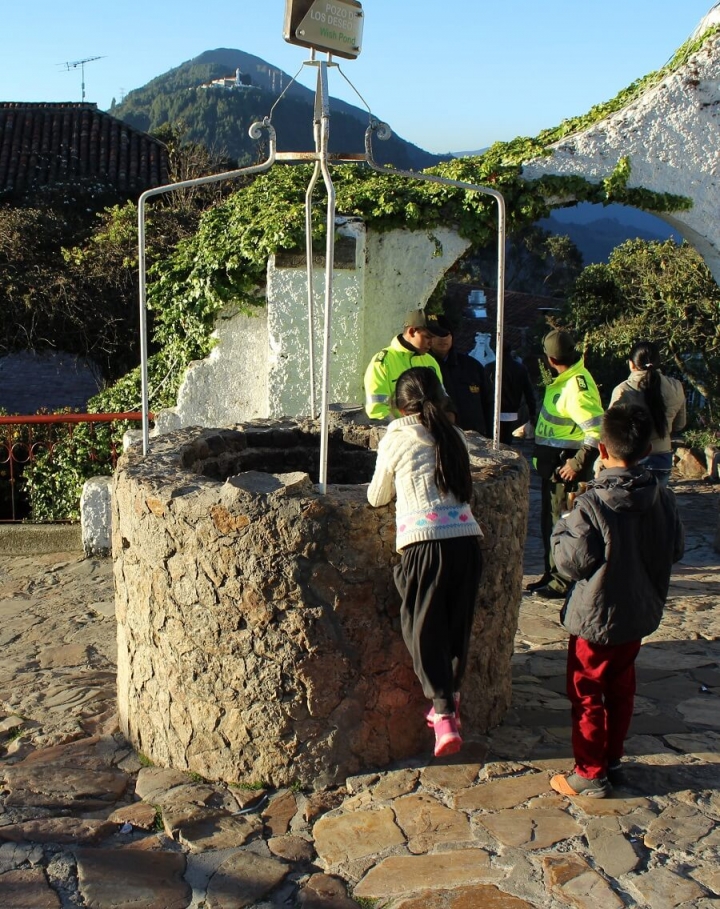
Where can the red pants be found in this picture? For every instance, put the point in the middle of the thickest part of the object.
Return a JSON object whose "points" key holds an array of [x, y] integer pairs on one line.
{"points": [[601, 688]]}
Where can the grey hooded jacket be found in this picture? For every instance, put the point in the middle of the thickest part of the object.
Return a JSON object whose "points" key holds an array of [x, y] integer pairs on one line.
{"points": [[618, 545]]}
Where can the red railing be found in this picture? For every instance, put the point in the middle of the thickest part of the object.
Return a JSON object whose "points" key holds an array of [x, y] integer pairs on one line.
{"points": [[21, 442]]}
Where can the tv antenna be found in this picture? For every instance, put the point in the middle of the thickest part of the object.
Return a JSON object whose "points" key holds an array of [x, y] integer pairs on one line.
{"points": [[81, 63]]}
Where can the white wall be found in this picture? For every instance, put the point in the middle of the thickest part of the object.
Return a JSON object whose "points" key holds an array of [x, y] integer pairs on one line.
{"points": [[403, 269], [233, 378], [288, 376]]}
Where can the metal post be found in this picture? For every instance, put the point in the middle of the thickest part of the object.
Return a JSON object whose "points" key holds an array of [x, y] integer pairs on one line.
{"points": [[309, 259], [323, 107], [500, 320], [310, 287]]}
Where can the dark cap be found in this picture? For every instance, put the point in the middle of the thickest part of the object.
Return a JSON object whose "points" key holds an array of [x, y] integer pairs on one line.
{"points": [[418, 318], [559, 344]]}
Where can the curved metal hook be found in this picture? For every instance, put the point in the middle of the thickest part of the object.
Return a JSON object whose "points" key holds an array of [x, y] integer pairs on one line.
{"points": [[379, 127], [256, 129]]}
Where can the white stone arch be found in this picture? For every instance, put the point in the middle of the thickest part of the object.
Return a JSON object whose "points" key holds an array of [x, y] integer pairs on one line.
{"points": [[671, 134]]}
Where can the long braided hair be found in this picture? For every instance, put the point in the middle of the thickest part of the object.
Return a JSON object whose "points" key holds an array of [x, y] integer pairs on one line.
{"points": [[418, 392], [646, 356]]}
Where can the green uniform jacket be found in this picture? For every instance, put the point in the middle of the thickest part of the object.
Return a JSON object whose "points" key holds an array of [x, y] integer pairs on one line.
{"points": [[384, 370], [571, 414]]}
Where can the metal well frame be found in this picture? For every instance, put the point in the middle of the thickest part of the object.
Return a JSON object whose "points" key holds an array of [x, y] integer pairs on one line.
{"points": [[322, 158]]}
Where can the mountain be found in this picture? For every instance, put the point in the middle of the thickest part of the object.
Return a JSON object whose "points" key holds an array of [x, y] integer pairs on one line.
{"points": [[596, 229], [220, 117], [469, 154]]}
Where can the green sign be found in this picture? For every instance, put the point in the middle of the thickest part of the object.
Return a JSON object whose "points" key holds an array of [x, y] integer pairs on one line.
{"points": [[334, 26]]}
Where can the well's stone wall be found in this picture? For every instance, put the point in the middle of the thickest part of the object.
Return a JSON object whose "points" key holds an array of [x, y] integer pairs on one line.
{"points": [[258, 623]]}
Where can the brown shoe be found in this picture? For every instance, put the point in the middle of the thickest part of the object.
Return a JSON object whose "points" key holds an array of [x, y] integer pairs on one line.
{"points": [[573, 784], [541, 582], [548, 592]]}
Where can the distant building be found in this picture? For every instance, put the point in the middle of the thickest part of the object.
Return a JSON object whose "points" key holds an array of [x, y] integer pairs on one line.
{"points": [[240, 82], [42, 144]]}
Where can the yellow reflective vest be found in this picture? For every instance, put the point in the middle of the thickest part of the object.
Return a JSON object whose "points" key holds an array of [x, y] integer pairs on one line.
{"points": [[571, 411], [384, 370]]}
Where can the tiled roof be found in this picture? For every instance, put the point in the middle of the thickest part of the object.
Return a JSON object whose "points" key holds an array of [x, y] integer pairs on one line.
{"points": [[523, 313], [42, 144]]}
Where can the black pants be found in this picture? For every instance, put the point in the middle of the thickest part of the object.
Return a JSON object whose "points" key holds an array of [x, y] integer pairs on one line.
{"points": [[553, 499], [438, 581], [507, 428]]}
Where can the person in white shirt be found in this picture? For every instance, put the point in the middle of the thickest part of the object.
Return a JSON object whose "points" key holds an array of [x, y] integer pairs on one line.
{"points": [[423, 460]]}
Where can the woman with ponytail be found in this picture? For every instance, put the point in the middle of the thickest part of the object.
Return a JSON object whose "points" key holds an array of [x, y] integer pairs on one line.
{"points": [[423, 460], [663, 397]]}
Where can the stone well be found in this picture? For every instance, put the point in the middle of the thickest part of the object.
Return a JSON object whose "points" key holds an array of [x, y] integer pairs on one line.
{"points": [[258, 623]]}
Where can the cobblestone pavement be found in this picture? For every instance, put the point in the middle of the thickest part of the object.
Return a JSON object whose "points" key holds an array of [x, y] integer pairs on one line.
{"points": [[84, 823]]}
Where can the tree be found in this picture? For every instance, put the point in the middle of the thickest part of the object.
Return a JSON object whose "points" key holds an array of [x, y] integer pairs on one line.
{"points": [[69, 272], [538, 262], [661, 291]]}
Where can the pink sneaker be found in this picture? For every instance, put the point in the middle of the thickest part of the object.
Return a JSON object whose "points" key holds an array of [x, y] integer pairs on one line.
{"points": [[447, 737], [430, 714]]}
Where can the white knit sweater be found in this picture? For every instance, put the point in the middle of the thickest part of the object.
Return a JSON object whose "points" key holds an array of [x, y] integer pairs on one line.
{"points": [[406, 466]]}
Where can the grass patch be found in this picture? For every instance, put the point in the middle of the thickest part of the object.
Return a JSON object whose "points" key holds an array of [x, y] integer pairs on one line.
{"points": [[252, 787], [158, 822]]}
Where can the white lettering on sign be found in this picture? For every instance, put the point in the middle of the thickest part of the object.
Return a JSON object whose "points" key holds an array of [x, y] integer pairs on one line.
{"points": [[341, 11]]}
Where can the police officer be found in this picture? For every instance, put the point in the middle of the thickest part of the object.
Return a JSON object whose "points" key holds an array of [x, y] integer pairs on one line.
{"points": [[566, 444], [411, 348], [465, 382]]}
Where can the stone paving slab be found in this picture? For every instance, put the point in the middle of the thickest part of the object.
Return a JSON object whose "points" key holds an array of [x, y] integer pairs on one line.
{"points": [[79, 812], [27, 889], [128, 878], [573, 881], [406, 873]]}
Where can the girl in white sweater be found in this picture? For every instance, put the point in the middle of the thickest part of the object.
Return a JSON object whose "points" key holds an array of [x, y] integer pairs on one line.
{"points": [[423, 460]]}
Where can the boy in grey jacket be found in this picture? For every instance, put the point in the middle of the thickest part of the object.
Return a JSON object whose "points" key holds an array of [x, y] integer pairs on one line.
{"points": [[617, 546]]}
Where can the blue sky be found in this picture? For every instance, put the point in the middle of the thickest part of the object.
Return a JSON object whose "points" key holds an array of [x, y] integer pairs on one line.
{"points": [[448, 76]]}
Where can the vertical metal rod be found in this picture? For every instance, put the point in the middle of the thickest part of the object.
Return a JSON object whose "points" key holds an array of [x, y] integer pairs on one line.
{"points": [[310, 288], [309, 259], [329, 263], [500, 326], [142, 275]]}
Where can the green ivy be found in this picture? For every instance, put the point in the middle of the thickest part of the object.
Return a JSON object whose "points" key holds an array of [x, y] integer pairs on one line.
{"points": [[53, 480]]}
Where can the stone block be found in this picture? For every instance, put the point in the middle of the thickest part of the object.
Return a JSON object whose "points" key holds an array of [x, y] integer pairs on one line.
{"points": [[96, 516]]}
